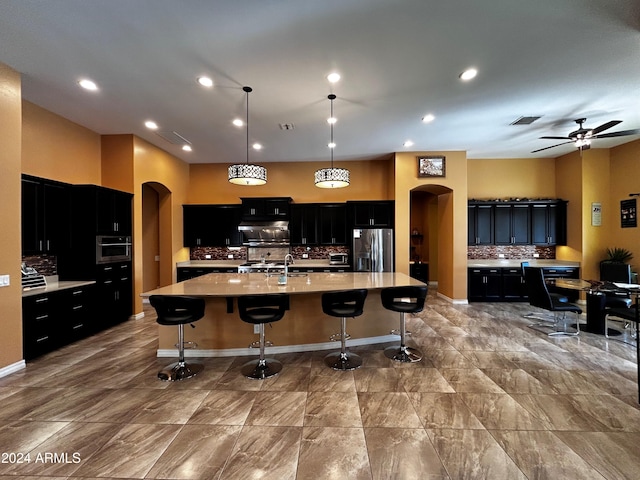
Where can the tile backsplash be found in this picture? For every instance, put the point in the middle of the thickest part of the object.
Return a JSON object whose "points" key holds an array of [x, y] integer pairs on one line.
{"points": [[490, 252], [221, 253], [46, 265]]}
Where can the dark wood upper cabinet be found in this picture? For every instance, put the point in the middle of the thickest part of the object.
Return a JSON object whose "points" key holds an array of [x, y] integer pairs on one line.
{"points": [[480, 221], [266, 208], [303, 224], [45, 215], [211, 225], [332, 220], [512, 224], [368, 214]]}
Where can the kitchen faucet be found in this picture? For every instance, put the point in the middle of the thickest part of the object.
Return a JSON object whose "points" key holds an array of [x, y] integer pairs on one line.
{"points": [[288, 256]]}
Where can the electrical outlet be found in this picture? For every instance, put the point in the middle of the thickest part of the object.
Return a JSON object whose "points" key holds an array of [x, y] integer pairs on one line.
{"points": [[230, 256], [4, 280], [208, 257], [256, 329], [536, 255], [305, 255], [501, 255]]}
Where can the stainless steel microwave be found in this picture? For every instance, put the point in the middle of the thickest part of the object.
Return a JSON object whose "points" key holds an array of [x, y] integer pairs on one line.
{"points": [[110, 249]]}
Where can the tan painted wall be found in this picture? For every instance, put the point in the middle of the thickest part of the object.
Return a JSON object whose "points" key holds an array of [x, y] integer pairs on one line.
{"points": [[512, 177], [595, 188], [10, 240], [56, 148], [128, 163], [370, 180], [625, 179], [452, 244], [569, 187]]}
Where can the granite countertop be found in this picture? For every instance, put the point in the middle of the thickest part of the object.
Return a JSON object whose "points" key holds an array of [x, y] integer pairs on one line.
{"points": [[54, 285], [235, 285], [509, 263]]}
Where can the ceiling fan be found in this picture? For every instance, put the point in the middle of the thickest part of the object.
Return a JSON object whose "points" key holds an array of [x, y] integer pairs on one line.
{"points": [[582, 136]]}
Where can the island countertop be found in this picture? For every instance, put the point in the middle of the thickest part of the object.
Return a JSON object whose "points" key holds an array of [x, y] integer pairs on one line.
{"points": [[235, 285]]}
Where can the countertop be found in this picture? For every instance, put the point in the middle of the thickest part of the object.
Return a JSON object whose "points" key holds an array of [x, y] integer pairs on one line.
{"points": [[235, 285], [234, 263], [507, 263], [54, 285]]}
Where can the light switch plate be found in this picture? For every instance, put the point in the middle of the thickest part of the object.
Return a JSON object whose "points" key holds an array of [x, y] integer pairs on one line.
{"points": [[4, 280]]}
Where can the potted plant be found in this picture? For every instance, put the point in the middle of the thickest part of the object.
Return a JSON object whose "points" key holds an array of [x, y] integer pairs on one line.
{"points": [[618, 255]]}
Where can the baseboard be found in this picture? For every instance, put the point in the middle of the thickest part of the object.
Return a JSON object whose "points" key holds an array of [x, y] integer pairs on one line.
{"points": [[14, 367], [309, 347], [459, 301], [137, 316]]}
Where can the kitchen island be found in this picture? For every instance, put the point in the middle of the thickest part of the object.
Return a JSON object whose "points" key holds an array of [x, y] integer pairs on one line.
{"points": [[304, 327]]}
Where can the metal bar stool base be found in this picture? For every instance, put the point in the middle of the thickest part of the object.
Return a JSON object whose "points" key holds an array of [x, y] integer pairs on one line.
{"points": [[179, 371], [261, 369], [403, 354], [343, 361]]}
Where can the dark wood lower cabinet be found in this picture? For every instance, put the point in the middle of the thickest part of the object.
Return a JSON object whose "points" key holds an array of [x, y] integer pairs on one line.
{"points": [[54, 319], [506, 284]]}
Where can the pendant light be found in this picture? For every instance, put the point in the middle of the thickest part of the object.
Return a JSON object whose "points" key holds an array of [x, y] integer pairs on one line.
{"points": [[332, 177], [247, 173]]}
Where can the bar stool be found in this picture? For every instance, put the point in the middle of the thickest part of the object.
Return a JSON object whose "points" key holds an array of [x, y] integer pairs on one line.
{"points": [[172, 311], [258, 310], [409, 299], [348, 303]]}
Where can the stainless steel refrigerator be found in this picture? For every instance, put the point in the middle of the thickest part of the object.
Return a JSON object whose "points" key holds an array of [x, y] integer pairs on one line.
{"points": [[373, 250]]}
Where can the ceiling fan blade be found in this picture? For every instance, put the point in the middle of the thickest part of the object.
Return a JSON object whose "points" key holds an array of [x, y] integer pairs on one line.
{"points": [[605, 126], [552, 146], [622, 133], [556, 138]]}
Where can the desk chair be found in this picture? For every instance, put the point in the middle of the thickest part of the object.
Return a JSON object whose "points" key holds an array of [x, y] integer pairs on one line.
{"points": [[540, 297], [557, 297]]}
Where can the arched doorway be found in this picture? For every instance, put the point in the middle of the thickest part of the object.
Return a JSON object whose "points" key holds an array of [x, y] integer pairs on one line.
{"points": [[431, 224], [156, 236]]}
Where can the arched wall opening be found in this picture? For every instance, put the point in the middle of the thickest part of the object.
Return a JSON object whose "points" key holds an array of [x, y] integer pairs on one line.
{"points": [[157, 226]]}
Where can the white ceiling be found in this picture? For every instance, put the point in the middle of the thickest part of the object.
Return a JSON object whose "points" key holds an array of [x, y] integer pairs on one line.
{"points": [[399, 60]]}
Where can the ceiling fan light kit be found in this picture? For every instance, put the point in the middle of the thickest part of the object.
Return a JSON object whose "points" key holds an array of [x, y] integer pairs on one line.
{"points": [[582, 137]]}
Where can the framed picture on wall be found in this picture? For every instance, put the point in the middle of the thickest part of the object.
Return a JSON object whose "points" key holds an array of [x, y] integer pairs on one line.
{"points": [[628, 216], [431, 166]]}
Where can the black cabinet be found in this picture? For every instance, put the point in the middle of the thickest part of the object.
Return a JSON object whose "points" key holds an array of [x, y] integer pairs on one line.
{"points": [[114, 298], [45, 215], [484, 284], [379, 214], [542, 222], [419, 271], [113, 212], [480, 224], [51, 320], [512, 224], [211, 225], [332, 223], [303, 225], [548, 224], [266, 208], [513, 287]]}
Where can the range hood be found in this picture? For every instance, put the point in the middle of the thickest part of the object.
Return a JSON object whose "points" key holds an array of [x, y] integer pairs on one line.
{"points": [[269, 233]]}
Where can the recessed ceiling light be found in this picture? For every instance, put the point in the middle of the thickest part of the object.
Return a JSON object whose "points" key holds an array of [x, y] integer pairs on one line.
{"points": [[238, 122], [428, 118], [408, 143], [331, 145], [150, 124], [257, 146], [469, 74], [332, 120], [205, 82], [88, 84], [187, 148], [333, 77]]}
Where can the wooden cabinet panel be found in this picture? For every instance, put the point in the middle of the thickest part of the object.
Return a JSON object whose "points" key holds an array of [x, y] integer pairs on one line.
{"points": [[303, 225], [378, 214], [332, 224]]}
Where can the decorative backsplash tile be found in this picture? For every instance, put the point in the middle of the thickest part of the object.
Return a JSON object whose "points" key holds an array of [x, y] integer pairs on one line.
{"points": [[46, 265], [515, 252], [221, 253]]}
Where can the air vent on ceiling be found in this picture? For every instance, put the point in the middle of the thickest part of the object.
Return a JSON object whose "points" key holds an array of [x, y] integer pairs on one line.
{"points": [[525, 121], [286, 126], [173, 137]]}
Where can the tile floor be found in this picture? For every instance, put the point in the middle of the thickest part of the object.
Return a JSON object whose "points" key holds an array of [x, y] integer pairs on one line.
{"points": [[492, 399]]}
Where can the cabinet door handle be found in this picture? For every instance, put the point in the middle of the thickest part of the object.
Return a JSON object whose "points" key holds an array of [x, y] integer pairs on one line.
{"points": [[42, 339], [42, 300], [40, 245], [76, 327], [77, 307], [42, 317]]}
